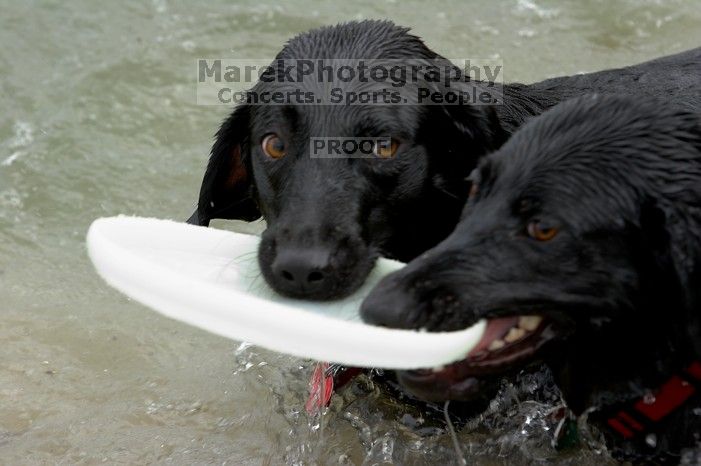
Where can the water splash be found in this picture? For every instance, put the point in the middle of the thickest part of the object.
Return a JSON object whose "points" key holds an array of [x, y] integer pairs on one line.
{"points": [[23, 136]]}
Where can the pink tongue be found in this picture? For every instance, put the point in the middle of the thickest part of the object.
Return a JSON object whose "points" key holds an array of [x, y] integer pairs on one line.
{"points": [[496, 328]]}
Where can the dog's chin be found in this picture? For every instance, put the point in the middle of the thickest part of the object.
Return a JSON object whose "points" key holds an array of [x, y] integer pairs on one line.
{"points": [[508, 345]]}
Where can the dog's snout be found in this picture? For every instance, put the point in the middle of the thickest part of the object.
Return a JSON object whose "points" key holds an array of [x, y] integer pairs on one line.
{"points": [[388, 305], [313, 263], [302, 269]]}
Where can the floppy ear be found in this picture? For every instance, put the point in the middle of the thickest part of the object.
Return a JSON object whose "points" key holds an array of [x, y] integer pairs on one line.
{"points": [[674, 238], [677, 173], [227, 190], [476, 125], [457, 136]]}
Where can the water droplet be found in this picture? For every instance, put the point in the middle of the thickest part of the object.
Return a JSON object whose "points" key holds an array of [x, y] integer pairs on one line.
{"points": [[651, 440]]}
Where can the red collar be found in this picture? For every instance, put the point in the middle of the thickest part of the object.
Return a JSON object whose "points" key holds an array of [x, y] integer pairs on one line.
{"points": [[640, 415], [632, 420], [324, 379]]}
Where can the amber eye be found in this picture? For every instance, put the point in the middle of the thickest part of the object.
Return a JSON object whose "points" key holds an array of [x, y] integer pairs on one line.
{"points": [[386, 148], [537, 230], [273, 146]]}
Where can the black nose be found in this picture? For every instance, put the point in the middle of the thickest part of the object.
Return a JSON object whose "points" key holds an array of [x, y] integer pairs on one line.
{"points": [[302, 272], [389, 305]]}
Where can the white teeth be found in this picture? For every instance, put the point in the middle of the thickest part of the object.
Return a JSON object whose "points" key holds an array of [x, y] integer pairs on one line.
{"points": [[514, 334], [496, 344], [529, 323], [525, 324]]}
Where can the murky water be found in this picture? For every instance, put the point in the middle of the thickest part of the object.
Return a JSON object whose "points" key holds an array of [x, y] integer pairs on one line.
{"points": [[99, 118]]}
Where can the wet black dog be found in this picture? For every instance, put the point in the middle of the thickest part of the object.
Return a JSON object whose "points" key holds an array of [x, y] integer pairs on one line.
{"points": [[328, 219], [581, 245]]}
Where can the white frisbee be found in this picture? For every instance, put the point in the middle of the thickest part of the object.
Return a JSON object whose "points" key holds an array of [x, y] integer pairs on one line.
{"points": [[210, 278]]}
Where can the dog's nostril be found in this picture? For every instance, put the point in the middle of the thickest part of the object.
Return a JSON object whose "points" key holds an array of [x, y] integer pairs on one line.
{"points": [[302, 271]]}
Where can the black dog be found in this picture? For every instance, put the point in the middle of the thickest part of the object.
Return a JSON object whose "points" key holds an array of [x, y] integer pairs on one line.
{"points": [[327, 220], [581, 245]]}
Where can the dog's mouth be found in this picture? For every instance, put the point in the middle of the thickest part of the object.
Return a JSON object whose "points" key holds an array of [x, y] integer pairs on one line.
{"points": [[508, 344]]}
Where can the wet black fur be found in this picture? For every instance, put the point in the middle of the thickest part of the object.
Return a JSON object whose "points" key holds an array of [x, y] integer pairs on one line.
{"points": [[621, 180], [342, 214]]}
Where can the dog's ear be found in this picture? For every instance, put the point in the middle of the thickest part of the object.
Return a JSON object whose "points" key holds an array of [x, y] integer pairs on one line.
{"points": [[458, 135], [227, 190], [673, 174], [673, 237], [477, 125]]}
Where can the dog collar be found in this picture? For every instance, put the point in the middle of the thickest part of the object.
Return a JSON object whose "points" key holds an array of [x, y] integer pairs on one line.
{"points": [[325, 378], [635, 422], [647, 429], [640, 417]]}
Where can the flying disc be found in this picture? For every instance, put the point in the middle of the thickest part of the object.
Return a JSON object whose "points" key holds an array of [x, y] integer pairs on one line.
{"points": [[210, 279]]}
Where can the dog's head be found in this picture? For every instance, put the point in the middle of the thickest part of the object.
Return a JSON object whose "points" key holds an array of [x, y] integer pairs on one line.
{"points": [[580, 245], [329, 218]]}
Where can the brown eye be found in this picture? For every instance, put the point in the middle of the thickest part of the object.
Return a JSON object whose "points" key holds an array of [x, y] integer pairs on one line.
{"points": [[273, 146], [386, 149], [541, 232]]}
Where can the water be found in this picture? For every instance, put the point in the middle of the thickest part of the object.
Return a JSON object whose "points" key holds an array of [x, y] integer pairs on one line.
{"points": [[99, 118]]}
